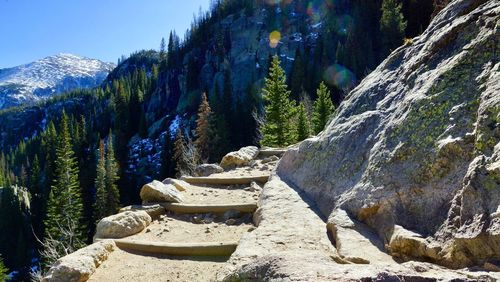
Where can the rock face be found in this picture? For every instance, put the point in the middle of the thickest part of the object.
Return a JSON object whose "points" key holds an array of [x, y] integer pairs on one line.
{"points": [[241, 157], [208, 169], [406, 170], [414, 150], [157, 192], [122, 224], [79, 265]]}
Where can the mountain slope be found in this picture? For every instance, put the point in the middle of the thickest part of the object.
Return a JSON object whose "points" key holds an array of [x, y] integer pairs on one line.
{"points": [[49, 76]]}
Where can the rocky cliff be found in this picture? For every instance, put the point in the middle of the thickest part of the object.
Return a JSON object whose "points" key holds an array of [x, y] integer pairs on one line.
{"points": [[407, 170], [416, 145]]}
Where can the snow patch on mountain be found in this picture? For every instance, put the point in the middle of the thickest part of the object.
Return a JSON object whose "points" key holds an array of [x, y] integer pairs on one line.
{"points": [[49, 76]]}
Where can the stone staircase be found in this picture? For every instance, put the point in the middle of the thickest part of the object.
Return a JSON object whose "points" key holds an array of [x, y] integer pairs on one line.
{"points": [[190, 240]]}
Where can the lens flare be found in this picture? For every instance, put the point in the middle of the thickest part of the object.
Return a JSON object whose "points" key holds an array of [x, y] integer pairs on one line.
{"points": [[274, 39], [339, 76]]}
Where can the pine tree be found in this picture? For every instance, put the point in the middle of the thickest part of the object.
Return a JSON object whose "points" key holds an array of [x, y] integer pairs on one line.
{"points": [[323, 108], [202, 133], [279, 110], [100, 185], [303, 127], [163, 52], [3, 271], [392, 26], [167, 161], [63, 220], [37, 195], [179, 149], [112, 177], [185, 155], [297, 76]]}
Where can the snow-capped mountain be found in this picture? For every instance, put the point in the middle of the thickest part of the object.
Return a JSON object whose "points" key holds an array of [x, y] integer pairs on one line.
{"points": [[49, 76]]}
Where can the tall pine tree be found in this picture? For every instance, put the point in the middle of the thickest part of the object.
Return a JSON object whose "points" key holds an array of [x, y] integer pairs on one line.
{"points": [[303, 127], [202, 133], [63, 223], [3, 271], [279, 110], [167, 161], [392, 26], [323, 108], [112, 177], [100, 185]]}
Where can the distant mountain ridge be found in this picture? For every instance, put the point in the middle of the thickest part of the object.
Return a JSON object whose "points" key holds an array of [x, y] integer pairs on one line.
{"points": [[44, 78]]}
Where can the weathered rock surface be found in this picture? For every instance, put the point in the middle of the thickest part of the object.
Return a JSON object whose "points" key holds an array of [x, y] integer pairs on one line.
{"points": [[154, 210], [122, 224], [408, 167], [207, 169], [157, 192], [239, 158], [179, 184], [355, 242], [291, 244], [79, 265]]}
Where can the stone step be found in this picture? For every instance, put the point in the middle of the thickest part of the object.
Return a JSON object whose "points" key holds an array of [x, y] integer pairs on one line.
{"points": [[235, 180], [179, 249], [209, 208]]}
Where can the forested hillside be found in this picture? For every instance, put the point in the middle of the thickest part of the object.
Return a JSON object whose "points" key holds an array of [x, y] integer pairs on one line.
{"points": [[140, 124]]}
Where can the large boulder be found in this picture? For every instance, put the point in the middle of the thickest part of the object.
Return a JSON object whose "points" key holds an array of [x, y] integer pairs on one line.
{"points": [[122, 224], [157, 192], [80, 265], [241, 157], [207, 169], [415, 146]]}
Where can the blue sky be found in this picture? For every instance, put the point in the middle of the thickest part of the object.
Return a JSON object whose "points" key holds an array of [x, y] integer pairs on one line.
{"points": [[101, 29]]}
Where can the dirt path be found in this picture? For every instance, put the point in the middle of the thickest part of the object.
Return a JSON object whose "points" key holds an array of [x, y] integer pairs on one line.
{"points": [[126, 266]]}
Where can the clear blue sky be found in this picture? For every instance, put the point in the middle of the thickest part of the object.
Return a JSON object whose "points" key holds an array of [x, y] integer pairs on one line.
{"points": [[101, 29]]}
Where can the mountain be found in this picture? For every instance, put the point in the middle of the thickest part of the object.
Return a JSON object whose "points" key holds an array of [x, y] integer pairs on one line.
{"points": [[39, 80]]}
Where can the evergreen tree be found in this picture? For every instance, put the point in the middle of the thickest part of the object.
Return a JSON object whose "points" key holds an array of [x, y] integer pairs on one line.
{"points": [[37, 196], [323, 108], [100, 185], [185, 155], [112, 177], [279, 110], [297, 76], [303, 127], [3, 271], [63, 220], [167, 161], [179, 149], [163, 53], [392, 26], [202, 133]]}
